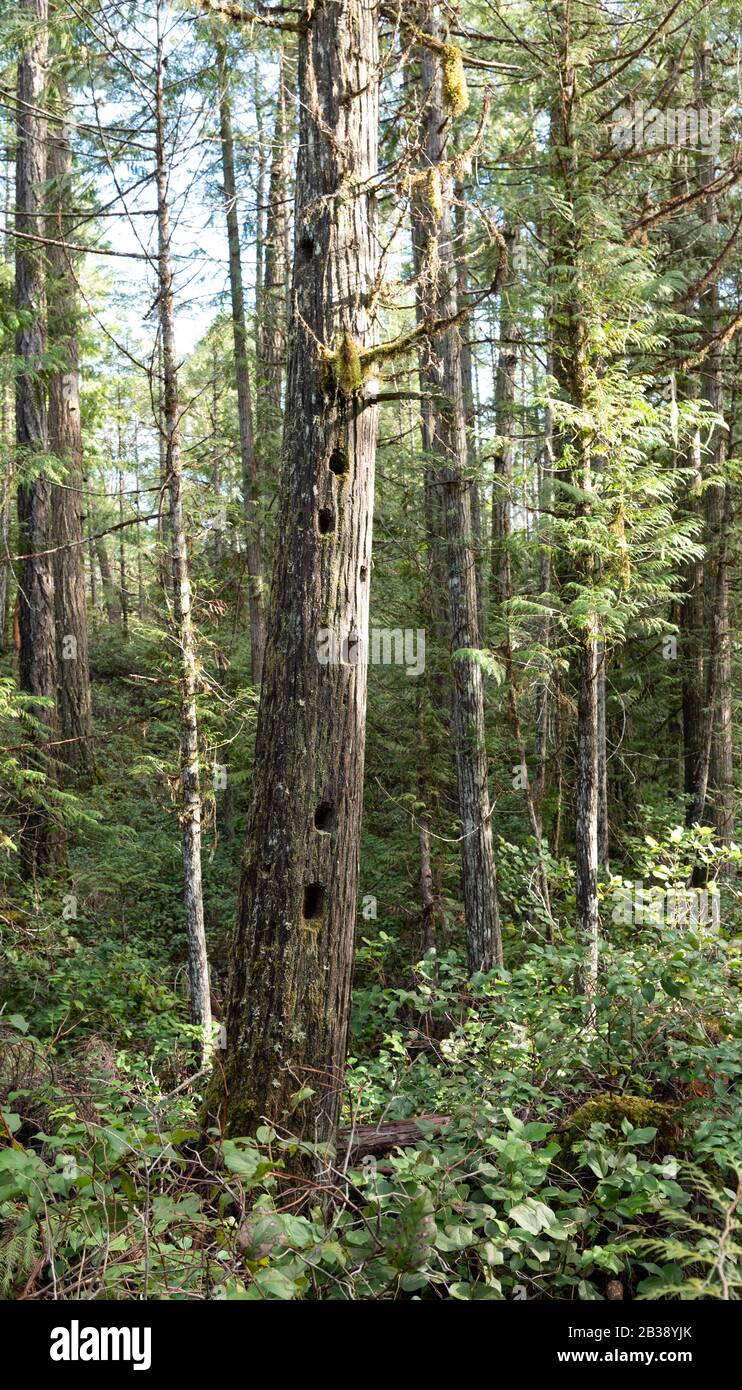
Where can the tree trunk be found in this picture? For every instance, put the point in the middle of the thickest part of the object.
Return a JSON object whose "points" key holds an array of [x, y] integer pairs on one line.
{"points": [[444, 437], [570, 349], [110, 596], [37, 657], [6, 446], [292, 953], [242, 376], [717, 765], [507, 366], [271, 345], [587, 798], [65, 441], [603, 825], [427, 894], [190, 789], [122, 560], [467, 383]]}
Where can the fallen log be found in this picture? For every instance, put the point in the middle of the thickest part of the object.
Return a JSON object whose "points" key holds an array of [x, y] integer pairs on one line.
{"points": [[380, 1139]]}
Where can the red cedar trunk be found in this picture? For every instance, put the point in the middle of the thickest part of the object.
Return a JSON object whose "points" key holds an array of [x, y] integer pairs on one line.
{"points": [[444, 437], [292, 953], [65, 441], [242, 378], [37, 657]]}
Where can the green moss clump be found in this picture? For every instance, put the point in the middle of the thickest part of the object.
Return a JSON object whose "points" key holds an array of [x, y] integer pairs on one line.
{"points": [[611, 1110], [434, 192], [345, 366], [455, 90]]}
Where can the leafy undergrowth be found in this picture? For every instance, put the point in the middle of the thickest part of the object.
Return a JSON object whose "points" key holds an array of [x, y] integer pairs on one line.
{"points": [[582, 1160]]}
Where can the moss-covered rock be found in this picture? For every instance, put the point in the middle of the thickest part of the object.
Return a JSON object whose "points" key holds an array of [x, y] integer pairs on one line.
{"points": [[612, 1110]]}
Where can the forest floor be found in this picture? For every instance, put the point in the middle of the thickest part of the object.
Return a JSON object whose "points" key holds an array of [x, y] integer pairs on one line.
{"points": [[582, 1156]]}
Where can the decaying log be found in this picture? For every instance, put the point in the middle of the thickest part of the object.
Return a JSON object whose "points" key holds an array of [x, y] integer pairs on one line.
{"points": [[380, 1139]]}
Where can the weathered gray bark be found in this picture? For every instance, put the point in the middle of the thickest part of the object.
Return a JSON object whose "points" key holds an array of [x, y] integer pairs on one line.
{"points": [[65, 441], [37, 656], [292, 953], [444, 439], [242, 377], [190, 788]]}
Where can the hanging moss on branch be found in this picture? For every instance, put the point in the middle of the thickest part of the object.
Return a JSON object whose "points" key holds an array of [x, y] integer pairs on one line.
{"points": [[342, 368], [455, 90], [434, 192]]}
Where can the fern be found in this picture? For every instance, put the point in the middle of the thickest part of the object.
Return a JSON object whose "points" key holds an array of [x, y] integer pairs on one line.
{"points": [[703, 1258], [16, 1257]]}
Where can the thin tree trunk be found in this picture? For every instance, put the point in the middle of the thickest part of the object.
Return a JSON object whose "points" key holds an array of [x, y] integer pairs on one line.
{"points": [[570, 347], [292, 953], [6, 445], [444, 437], [587, 798], [691, 647], [65, 441], [110, 596], [37, 656], [467, 382], [242, 376], [216, 465], [542, 689], [138, 509], [190, 788], [122, 561], [716, 765], [92, 556], [271, 340], [507, 366], [603, 825]]}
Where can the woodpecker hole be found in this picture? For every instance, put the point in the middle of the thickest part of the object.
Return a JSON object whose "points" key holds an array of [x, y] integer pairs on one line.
{"points": [[314, 899]]}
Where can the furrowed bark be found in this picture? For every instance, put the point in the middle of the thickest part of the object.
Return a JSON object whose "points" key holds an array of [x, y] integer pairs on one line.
{"points": [[293, 948]]}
